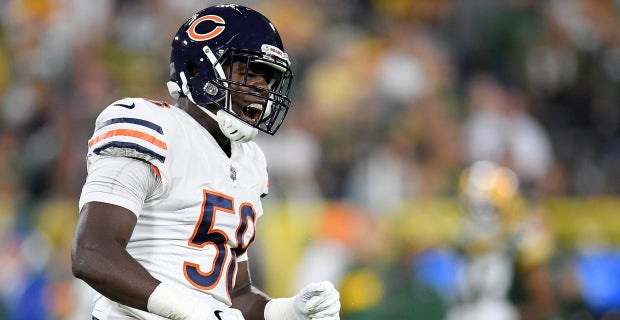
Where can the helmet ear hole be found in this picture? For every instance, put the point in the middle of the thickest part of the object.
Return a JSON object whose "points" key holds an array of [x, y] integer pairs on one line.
{"points": [[192, 68]]}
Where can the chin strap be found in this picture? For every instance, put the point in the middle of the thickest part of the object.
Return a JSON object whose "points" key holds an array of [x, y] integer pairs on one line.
{"points": [[233, 128], [174, 89]]}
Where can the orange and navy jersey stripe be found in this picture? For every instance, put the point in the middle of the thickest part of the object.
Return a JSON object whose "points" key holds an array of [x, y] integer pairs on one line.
{"points": [[126, 136]]}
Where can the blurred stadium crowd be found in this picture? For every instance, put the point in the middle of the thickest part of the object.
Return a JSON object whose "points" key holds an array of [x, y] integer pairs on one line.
{"points": [[393, 99]]}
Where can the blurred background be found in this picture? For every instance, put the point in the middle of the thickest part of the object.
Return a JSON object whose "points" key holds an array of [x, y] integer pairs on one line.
{"points": [[446, 159]]}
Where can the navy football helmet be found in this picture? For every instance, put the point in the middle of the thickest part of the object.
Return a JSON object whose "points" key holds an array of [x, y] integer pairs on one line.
{"points": [[203, 52]]}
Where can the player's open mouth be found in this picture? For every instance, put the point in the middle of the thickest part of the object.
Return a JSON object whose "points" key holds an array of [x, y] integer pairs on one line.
{"points": [[252, 112]]}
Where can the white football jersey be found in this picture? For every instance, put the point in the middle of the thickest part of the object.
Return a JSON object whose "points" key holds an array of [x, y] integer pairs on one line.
{"points": [[193, 233]]}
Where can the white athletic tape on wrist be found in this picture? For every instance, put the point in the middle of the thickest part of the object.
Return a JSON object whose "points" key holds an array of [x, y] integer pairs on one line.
{"points": [[280, 309], [176, 303]]}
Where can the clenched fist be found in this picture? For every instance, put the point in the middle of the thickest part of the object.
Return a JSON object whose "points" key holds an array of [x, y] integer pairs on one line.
{"points": [[316, 301]]}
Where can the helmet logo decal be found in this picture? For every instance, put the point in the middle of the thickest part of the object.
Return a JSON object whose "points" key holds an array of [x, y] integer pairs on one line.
{"points": [[195, 35], [275, 51]]}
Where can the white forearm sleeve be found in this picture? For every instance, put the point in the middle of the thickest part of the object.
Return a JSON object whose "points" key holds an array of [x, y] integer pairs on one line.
{"points": [[280, 309], [175, 303]]}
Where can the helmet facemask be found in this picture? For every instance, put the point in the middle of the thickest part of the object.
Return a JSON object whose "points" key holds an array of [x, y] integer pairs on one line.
{"points": [[267, 116], [275, 101]]}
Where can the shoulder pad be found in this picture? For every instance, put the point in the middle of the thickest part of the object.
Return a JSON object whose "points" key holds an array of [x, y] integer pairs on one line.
{"points": [[131, 128]]}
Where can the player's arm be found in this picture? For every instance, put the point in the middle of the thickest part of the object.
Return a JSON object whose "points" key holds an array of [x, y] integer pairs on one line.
{"points": [[100, 259], [125, 168], [317, 301], [541, 304], [112, 198], [246, 297]]}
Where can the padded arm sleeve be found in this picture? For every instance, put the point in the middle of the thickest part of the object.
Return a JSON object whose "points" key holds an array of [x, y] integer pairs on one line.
{"points": [[120, 181]]}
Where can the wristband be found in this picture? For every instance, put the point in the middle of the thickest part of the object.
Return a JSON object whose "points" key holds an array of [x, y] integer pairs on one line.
{"points": [[176, 303], [280, 309]]}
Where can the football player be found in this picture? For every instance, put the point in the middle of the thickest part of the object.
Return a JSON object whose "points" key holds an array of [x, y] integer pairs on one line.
{"points": [[506, 249], [173, 192]]}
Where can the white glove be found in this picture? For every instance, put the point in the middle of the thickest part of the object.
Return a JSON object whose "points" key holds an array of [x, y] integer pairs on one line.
{"points": [[316, 301]]}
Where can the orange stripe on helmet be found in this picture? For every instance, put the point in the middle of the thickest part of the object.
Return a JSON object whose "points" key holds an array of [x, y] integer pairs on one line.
{"points": [[129, 133], [194, 35]]}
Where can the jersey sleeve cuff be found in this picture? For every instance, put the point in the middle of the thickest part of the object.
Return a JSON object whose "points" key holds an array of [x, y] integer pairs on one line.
{"points": [[110, 199]]}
